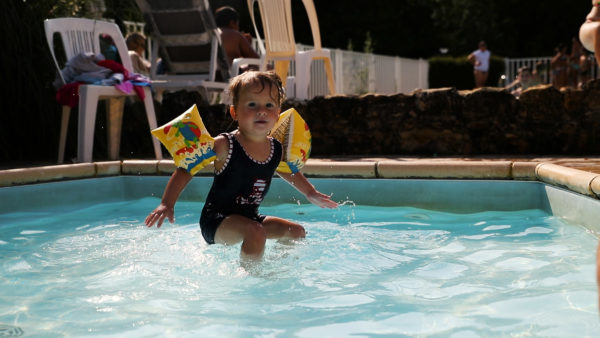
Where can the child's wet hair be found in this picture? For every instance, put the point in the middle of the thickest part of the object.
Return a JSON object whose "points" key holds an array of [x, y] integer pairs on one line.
{"points": [[135, 40], [247, 79]]}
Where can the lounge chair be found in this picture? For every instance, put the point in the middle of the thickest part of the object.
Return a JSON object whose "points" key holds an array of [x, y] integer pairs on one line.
{"points": [[187, 43]]}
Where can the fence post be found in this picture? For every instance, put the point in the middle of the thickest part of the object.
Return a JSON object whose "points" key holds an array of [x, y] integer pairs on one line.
{"points": [[338, 74], [398, 74], [371, 75], [423, 74]]}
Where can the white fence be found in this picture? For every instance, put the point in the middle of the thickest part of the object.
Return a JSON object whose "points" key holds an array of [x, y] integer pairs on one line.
{"points": [[360, 73]]}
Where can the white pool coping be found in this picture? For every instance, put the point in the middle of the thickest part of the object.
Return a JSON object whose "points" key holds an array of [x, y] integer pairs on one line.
{"points": [[579, 181]]}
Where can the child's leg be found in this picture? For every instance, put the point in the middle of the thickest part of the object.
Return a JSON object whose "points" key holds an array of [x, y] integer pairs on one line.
{"points": [[252, 234], [282, 228]]}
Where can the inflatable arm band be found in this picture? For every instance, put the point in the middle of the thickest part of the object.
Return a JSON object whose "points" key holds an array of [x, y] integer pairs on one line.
{"points": [[294, 135], [192, 147], [187, 140]]}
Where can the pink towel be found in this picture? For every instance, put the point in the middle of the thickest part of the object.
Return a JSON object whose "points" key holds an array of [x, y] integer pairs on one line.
{"points": [[125, 86]]}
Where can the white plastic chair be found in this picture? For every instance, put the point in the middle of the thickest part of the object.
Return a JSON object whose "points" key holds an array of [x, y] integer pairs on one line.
{"points": [[83, 35], [280, 45], [305, 58], [238, 63]]}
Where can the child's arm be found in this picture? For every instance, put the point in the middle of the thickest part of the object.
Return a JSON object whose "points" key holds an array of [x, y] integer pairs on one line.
{"points": [[178, 181], [471, 58], [299, 181]]}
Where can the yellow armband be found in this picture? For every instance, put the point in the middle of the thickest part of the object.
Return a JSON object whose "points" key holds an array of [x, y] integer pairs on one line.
{"points": [[294, 135], [188, 141]]}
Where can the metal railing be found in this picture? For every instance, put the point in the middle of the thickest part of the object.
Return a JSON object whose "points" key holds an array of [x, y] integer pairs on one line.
{"points": [[512, 65]]}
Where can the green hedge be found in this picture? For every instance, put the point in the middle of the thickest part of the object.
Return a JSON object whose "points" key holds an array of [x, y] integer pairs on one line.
{"points": [[449, 71]]}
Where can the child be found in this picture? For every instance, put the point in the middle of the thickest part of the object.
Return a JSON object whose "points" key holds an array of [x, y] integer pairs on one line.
{"points": [[523, 81], [245, 162], [136, 44]]}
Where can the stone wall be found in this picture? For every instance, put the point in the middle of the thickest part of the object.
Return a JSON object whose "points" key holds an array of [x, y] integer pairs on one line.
{"points": [[486, 121]]}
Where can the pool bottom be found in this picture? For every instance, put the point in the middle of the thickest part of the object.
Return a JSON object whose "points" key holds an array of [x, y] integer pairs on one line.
{"points": [[362, 270]]}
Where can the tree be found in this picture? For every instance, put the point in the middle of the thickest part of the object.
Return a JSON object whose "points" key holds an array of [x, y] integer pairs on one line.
{"points": [[418, 28], [510, 28]]}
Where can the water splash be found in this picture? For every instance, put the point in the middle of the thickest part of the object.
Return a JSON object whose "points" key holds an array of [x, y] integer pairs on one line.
{"points": [[345, 212]]}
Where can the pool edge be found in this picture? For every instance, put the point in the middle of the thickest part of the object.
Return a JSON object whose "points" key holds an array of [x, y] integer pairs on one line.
{"points": [[578, 181]]}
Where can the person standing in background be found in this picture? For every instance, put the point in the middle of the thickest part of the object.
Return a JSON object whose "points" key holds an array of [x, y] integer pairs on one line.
{"points": [[481, 64], [559, 65], [586, 62], [574, 69]]}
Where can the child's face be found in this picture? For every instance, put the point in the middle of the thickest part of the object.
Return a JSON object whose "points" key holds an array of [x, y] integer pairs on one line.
{"points": [[141, 47], [257, 109], [525, 76]]}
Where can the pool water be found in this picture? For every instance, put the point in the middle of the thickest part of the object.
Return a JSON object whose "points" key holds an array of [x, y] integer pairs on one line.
{"points": [[361, 271]]}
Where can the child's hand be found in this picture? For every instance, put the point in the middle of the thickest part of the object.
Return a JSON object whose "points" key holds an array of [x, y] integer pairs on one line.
{"points": [[321, 200], [159, 214]]}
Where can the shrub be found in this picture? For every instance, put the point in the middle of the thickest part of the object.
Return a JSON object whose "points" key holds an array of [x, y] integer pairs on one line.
{"points": [[449, 71]]}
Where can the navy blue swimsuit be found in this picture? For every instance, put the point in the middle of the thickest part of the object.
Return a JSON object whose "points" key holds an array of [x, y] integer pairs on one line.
{"points": [[239, 187]]}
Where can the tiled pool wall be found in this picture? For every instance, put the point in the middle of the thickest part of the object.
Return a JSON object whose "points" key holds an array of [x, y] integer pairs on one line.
{"points": [[457, 185]]}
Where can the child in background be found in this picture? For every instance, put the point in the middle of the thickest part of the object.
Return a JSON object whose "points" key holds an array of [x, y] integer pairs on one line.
{"points": [[245, 162], [523, 81], [136, 44]]}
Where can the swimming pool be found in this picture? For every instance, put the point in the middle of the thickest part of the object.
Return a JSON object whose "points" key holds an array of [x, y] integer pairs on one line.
{"points": [[405, 257]]}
